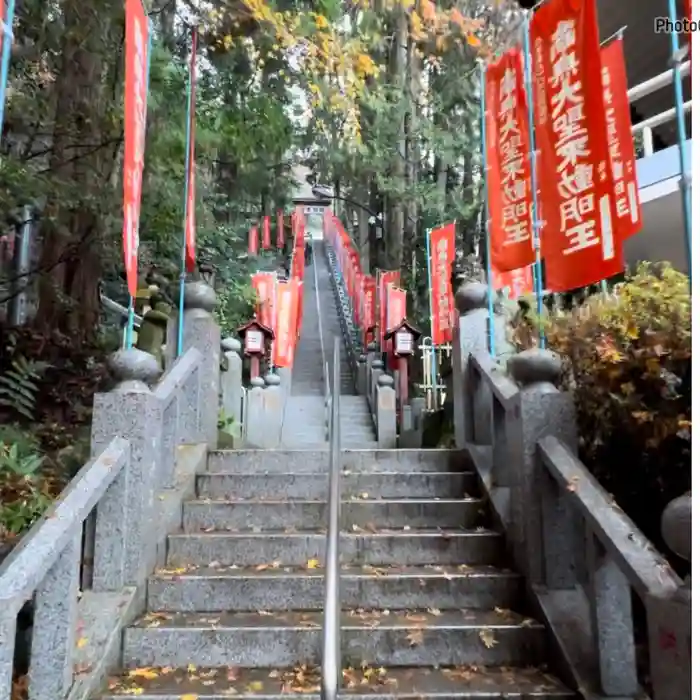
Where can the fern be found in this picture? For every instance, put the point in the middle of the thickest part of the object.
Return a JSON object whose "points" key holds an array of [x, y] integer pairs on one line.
{"points": [[18, 387]]}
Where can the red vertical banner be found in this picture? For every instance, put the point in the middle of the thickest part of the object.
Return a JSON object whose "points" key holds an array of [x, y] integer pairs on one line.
{"points": [[395, 313], [369, 303], [264, 284], [190, 229], [627, 214], [253, 240], [280, 228], [285, 326], [385, 279], [507, 155], [578, 242], [517, 283], [135, 97], [266, 243], [442, 255]]}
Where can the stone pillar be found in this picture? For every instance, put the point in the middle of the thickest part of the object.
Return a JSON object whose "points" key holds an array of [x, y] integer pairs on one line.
{"points": [[376, 371], [202, 332], [470, 336], [386, 412], [669, 618], [539, 409], [362, 375], [273, 409], [255, 417], [131, 411], [232, 380]]}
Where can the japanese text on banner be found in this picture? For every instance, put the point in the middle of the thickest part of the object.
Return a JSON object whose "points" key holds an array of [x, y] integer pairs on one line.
{"points": [[578, 242], [626, 211], [286, 321], [136, 82], [264, 285], [508, 172], [442, 255]]}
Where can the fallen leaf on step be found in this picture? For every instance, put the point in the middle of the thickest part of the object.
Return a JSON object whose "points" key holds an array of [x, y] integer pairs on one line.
{"points": [[488, 638], [191, 668], [82, 642], [146, 673], [364, 496], [415, 637], [189, 696], [255, 686], [133, 691], [435, 612], [265, 613], [312, 564], [232, 674]]}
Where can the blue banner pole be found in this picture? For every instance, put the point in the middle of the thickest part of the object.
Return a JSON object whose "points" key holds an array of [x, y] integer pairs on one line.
{"points": [[487, 220], [129, 336], [183, 271], [433, 359], [7, 39], [682, 136], [536, 223]]}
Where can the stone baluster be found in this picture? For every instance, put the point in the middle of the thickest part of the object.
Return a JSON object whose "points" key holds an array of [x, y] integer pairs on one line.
{"points": [[470, 336], [669, 618], [362, 374], [133, 412], [232, 380], [386, 412], [201, 331], [255, 425], [273, 408], [539, 409], [376, 371]]}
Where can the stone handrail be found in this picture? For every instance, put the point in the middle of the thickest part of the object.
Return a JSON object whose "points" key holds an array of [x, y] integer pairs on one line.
{"points": [[581, 555], [122, 503]]}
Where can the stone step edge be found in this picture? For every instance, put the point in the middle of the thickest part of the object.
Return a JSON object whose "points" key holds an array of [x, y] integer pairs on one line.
{"points": [[447, 533], [468, 500], [270, 572]]}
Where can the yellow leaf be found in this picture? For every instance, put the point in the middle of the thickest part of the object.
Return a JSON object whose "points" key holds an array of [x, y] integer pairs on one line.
{"points": [[82, 642], [473, 40], [488, 638], [312, 564], [189, 696], [255, 686], [146, 673]]}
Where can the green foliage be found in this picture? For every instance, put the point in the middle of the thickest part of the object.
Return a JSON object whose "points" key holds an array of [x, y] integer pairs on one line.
{"points": [[18, 388], [628, 362]]}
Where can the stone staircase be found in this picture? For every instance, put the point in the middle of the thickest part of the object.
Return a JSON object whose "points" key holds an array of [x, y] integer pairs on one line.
{"points": [[304, 424], [430, 607]]}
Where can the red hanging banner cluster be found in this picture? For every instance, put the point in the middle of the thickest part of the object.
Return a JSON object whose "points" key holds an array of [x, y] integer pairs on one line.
{"points": [[135, 96]]}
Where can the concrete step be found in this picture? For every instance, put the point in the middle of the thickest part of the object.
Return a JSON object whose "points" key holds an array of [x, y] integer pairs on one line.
{"points": [[272, 587], [390, 547], [313, 515], [301, 462], [365, 683], [315, 486], [266, 639]]}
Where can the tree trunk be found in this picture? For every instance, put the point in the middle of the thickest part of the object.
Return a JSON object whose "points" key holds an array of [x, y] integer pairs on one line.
{"points": [[71, 261]]}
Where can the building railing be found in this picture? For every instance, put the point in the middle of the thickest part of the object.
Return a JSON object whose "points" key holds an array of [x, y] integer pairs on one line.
{"points": [[581, 555], [136, 430], [648, 87]]}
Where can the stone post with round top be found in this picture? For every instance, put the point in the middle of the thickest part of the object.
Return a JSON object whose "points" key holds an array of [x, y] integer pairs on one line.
{"points": [[130, 411], [202, 332], [386, 412], [538, 410], [669, 614], [232, 380]]}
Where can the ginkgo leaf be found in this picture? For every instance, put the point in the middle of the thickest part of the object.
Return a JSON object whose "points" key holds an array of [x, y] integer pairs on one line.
{"points": [[488, 638]]}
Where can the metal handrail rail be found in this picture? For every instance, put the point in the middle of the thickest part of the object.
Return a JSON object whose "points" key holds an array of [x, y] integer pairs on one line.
{"points": [[318, 315], [330, 661]]}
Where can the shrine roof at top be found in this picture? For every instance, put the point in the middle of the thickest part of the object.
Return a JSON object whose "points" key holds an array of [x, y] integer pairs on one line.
{"points": [[647, 54]]}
